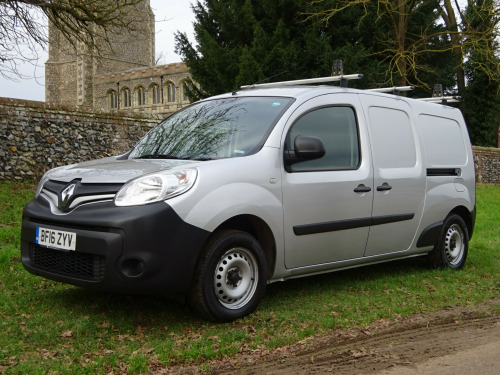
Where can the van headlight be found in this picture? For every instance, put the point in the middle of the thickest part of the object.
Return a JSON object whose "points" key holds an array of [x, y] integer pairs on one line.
{"points": [[155, 187]]}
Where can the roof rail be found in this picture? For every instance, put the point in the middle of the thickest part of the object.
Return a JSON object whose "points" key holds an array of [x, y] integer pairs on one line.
{"points": [[306, 81], [442, 99], [438, 96], [395, 90], [338, 76]]}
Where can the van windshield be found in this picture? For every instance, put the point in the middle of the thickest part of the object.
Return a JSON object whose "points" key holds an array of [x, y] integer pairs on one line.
{"points": [[214, 129]]}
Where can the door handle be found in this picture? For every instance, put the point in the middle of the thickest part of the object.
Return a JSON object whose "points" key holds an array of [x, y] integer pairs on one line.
{"points": [[384, 187], [362, 189]]}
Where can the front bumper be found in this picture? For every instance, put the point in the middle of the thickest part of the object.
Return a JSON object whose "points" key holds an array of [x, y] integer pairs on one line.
{"points": [[141, 249]]}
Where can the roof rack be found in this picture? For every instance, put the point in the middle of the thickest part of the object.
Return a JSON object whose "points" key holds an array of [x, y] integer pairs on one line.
{"points": [[306, 81], [438, 96], [338, 76], [442, 99], [395, 90]]}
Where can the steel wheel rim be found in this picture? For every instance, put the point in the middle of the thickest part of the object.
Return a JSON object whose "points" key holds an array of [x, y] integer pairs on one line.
{"points": [[236, 277], [454, 244]]}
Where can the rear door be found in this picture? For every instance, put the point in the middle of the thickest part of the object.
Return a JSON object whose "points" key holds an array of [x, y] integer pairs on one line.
{"points": [[399, 177], [327, 202]]}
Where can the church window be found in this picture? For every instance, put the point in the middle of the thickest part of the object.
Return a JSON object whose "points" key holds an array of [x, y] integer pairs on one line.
{"points": [[140, 95], [155, 94], [171, 92], [112, 99], [186, 86], [127, 98]]}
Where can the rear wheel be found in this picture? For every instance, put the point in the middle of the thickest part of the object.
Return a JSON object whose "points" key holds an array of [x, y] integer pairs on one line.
{"points": [[453, 246], [230, 278]]}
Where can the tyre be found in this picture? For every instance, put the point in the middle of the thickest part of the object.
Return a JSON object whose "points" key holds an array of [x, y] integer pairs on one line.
{"points": [[230, 278], [453, 246]]}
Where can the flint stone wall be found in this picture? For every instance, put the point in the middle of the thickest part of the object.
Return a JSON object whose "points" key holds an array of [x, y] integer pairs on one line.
{"points": [[487, 161], [35, 137]]}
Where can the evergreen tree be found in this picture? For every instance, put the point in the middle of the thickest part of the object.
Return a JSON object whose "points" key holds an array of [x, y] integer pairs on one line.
{"points": [[243, 42]]}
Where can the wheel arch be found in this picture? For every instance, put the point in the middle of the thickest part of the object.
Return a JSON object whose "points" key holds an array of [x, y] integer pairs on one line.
{"points": [[259, 229], [467, 216]]}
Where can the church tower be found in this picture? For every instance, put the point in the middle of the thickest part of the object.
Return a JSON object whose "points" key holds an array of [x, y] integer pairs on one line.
{"points": [[71, 68]]}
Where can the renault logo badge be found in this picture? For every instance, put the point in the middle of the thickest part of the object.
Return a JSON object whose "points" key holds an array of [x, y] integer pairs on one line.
{"points": [[66, 195]]}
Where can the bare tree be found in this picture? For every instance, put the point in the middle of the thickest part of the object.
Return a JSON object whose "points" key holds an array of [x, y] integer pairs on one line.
{"points": [[466, 37], [398, 13], [161, 58], [403, 55], [23, 26]]}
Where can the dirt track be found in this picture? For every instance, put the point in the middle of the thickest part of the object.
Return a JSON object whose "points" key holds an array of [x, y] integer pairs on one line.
{"points": [[454, 341]]}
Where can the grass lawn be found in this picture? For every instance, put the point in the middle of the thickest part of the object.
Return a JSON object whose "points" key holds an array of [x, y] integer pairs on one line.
{"points": [[47, 327]]}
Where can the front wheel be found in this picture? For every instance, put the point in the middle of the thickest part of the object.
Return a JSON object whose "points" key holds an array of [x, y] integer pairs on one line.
{"points": [[453, 246], [230, 278]]}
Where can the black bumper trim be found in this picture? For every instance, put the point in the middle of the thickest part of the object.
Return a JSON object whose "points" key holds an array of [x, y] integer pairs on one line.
{"points": [[152, 235], [71, 264]]}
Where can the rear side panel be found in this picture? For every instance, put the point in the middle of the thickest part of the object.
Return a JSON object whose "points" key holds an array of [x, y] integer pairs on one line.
{"points": [[449, 165]]}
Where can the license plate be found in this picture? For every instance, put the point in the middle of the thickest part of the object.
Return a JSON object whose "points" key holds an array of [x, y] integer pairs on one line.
{"points": [[56, 238]]}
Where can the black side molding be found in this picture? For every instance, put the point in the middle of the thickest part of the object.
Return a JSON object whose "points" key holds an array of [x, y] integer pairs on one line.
{"points": [[432, 172], [332, 226], [379, 220], [430, 235]]}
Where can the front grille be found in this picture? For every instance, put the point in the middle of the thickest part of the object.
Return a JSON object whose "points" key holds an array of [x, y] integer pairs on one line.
{"points": [[53, 192], [67, 263]]}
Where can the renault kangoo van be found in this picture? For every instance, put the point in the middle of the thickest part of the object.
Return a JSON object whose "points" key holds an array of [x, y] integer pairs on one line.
{"points": [[256, 186]]}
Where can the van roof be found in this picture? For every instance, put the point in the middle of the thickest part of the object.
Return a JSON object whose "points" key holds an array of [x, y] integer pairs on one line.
{"points": [[305, 92]]}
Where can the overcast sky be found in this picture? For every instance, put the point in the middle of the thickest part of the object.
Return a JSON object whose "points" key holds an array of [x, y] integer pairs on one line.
{"points": [[170, 16]]}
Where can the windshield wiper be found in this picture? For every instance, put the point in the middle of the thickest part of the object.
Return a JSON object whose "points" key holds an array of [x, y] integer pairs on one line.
{"points": [[159, 156], [172, 157]]}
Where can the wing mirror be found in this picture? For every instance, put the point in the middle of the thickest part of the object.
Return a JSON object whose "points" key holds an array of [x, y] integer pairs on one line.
{"points": [[306, 147]]}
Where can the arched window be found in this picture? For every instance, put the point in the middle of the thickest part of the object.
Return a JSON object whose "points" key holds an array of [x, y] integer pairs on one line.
{"points": [[170, 92], [186, 86], [127, 98], [112, 99], [155, 94], [140, 94]]}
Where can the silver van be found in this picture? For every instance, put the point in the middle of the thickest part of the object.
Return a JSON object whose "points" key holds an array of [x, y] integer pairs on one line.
{"points": [[255, 186]]}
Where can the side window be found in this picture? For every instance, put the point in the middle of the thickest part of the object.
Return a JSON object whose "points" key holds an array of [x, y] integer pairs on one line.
{"points": [[337, 128], [127, 98], [155, 93], [392, 138], [112, 99], [186, 86], [170, 92], [141, 95]]}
